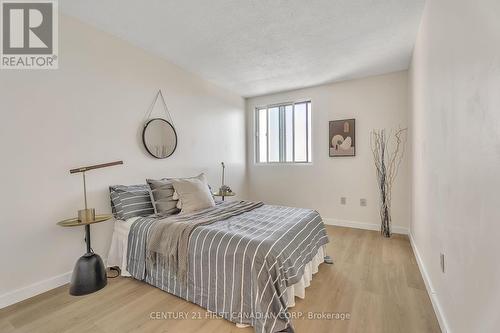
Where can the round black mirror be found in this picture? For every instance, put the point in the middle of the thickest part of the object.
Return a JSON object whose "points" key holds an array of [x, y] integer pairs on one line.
{"points": [[159, 138]]}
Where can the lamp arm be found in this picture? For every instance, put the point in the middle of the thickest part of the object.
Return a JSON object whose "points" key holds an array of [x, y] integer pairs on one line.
{"points": [[97, 166]]}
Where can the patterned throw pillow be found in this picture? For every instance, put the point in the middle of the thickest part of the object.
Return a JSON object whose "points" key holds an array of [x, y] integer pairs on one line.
{"points": [[131, 201]]}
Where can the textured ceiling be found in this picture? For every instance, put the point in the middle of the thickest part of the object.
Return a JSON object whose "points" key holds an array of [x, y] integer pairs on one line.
{"points": [[255, 47]]}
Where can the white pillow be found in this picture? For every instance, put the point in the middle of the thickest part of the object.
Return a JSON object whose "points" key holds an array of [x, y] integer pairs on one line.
{"points": [[201, 177], [193, 193]]}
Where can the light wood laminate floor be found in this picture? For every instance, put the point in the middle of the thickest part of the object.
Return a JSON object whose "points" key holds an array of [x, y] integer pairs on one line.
{"points": [[375, 280]]}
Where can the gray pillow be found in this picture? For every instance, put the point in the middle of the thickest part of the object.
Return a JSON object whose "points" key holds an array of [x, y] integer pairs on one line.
{"points": [[194, 194], [130, 201], [163, 192]]}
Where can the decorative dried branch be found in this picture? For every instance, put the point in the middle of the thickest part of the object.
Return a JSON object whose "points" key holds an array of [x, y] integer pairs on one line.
{"points": [[388, 151]]}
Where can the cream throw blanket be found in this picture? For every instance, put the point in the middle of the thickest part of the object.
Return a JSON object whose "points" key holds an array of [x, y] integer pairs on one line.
{"points": [[169, 237]]}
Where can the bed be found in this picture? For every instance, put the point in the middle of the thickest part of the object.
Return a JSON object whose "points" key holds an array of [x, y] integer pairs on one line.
{"points": [[246, 268]]}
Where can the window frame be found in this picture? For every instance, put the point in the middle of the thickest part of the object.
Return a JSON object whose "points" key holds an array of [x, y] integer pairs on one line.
{"points": [[282, 133]]}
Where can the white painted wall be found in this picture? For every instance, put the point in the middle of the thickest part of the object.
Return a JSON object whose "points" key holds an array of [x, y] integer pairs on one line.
{"points": [[375, 102], [90, 111], [455, 88]]}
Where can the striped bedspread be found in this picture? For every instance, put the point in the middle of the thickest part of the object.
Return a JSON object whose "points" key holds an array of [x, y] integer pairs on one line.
{"points": [[239, 267]]}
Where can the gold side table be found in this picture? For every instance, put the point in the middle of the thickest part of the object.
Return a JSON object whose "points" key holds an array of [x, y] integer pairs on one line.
{"points": [[89, 274], [224, 194]]}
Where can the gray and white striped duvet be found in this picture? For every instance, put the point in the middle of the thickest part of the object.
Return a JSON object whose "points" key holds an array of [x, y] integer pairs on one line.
{"points": [[240, 267]]}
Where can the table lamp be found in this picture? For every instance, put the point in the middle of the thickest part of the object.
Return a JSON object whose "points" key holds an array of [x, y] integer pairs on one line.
{"points": [[89, 274], [224, 190]]}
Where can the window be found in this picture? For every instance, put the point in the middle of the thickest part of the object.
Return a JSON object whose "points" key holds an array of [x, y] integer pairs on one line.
{"points": [[283, 133]]}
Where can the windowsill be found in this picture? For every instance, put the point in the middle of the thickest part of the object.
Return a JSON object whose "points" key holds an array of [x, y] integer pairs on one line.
{"points": [[275, 164]]}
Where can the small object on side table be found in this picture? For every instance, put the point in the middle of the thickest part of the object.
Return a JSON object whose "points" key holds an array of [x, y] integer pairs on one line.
{"points": [[224, 194]]}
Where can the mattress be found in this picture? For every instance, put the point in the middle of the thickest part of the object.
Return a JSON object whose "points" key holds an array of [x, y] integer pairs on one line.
{"points": [[117, 255]]}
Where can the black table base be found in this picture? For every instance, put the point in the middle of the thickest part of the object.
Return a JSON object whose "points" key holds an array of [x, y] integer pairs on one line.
{"points": [[89, 274]]}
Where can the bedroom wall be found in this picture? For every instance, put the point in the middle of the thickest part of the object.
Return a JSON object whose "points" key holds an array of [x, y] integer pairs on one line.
{"points": [[375, 102], [90, 111], [455, 85]]}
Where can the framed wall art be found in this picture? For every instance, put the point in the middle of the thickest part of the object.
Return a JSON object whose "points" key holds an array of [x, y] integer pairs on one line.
{"points": [[342, 135]]}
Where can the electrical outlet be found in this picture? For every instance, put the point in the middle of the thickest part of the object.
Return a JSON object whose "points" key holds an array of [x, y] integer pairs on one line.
{"points": [[362, 202], [343, 200], [442, 262]]}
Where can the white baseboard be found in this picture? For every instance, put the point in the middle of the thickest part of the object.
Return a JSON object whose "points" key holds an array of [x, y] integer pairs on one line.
{"points": [[34, 289], [363, 225], [443, 324], [37, 288]]}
